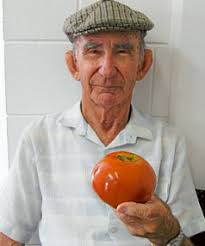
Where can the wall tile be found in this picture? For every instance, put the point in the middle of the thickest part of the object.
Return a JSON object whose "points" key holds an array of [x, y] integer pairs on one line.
{"points": [[37, 79], [161, 82], [32, 20]]}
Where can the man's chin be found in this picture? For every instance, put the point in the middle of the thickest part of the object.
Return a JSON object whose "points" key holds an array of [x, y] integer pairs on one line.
{"points": [[106, 100]]}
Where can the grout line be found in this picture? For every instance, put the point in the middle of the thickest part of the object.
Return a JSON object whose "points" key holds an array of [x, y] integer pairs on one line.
{"points": [[4, 161], [176, 28], [37, 41], [65, 41], [26, 115]]}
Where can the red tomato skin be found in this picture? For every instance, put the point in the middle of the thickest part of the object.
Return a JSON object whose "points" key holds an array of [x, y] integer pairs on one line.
{"points": [[116, 180]]}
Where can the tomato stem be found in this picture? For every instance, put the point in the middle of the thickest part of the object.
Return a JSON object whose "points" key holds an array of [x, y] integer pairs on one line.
{"points": [[127, 158]]}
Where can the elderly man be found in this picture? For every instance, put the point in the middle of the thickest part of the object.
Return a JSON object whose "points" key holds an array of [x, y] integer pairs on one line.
{"points": [[48, 185]]}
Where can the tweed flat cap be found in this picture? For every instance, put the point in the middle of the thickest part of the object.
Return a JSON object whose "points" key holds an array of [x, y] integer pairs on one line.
{"points": [[105, 16]]}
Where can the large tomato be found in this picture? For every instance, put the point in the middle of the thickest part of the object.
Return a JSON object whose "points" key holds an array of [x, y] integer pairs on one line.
{"points": [[123, 176]]}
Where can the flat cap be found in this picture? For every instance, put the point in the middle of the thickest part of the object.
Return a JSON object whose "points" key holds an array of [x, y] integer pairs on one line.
{"points": [[105, 16]]}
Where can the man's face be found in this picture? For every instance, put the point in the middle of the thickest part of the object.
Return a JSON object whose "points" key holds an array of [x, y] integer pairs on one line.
{"points": [[107, 65]]}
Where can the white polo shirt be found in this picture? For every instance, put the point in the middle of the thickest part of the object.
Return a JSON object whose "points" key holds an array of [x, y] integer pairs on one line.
{"points": [[48, 186]]}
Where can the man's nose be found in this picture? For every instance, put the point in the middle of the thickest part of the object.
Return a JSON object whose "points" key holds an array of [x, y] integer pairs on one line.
{"points": [[108, 66]]}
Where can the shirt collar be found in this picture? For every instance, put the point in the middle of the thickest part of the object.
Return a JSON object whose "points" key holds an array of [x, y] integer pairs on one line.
{"points": [[73, 118], [139, 125]]}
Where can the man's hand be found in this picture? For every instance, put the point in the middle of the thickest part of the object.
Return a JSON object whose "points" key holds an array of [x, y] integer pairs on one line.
{"points": [[6, 241], [152, 220]]}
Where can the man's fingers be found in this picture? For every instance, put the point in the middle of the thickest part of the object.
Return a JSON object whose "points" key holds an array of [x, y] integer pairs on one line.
{"points": [[139, 210], [151, 220], [133, 224], [136, 226], [132, 209], [127, 219]]}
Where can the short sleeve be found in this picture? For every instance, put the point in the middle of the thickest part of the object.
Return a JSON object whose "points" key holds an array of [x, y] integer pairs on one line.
{"points": [[182, 195], [20, 197]]}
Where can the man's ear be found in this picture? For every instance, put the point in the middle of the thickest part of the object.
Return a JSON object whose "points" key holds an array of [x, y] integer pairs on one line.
{"points": [[72, 65], [146, 64]]}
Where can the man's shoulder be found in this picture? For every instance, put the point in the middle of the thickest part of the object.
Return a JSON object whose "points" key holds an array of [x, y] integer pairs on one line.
{"points": [[170, 134], [43, 122], [159, 126], [50, 123]]}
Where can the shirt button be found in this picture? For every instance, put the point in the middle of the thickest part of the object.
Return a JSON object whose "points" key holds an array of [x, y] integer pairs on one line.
{"points": [[113, 229]]}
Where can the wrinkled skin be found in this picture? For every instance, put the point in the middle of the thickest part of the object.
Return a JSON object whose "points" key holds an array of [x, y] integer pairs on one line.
{"points": [[108, 66], [152, 220]]}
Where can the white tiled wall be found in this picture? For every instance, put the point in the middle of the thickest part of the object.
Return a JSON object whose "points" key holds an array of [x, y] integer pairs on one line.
{"points": [[37, 81], [187, 104], [36, 20], [36, 76]]}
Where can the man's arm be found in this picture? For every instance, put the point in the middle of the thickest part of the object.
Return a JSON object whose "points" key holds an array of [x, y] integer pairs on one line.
{"points": [[6, 241], [152, 220], [187, 242]]}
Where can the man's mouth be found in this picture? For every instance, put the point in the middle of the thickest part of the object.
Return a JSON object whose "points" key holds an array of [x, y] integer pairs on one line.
{"points": [[106, 86], [105, 89]]}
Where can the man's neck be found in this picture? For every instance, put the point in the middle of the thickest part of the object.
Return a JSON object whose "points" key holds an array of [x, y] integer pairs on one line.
{"points": [[107, 122]]}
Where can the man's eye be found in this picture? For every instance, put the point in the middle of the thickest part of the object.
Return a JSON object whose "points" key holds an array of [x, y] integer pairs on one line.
{"points": [[94, 51], [123, 52]]}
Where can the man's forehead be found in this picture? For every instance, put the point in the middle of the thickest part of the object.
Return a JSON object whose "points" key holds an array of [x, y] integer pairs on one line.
{"points": [[115, 37]]}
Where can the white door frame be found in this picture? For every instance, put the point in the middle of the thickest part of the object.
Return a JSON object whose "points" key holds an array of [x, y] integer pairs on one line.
{"points": [[4, 163]]}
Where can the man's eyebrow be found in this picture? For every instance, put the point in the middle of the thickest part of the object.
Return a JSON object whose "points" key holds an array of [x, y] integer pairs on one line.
{"points": [[124, 46], [91, 45]]}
